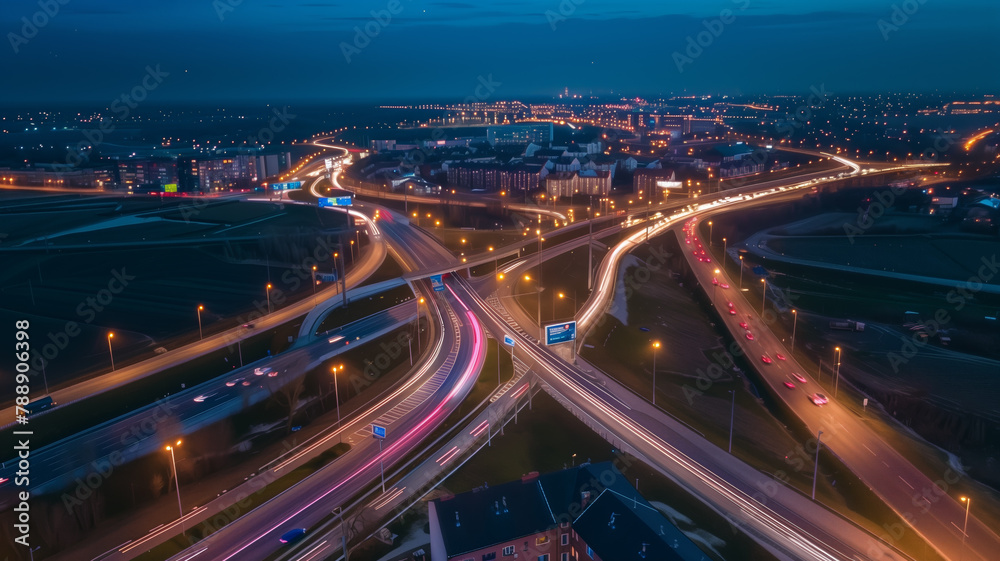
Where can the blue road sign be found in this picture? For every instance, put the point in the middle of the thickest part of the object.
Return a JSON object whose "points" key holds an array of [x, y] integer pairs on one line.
{"points": [[378, 432], [286, 186], [760, 271], [327, 202], [326, 277], [437, 283], [508, 340], [560, 333]]}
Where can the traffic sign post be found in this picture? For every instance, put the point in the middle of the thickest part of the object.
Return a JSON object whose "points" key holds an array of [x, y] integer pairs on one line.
{"points": [[509, 341], [437, 283], [331, 202], [379, 434]]}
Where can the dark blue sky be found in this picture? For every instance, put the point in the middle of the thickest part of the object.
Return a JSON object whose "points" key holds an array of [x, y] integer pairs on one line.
{"points": [[263, 50]]}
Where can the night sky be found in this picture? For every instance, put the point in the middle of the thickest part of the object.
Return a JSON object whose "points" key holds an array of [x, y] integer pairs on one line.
{"points": [[262, 50]]}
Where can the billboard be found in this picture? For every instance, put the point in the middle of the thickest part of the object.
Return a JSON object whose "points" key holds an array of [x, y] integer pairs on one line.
{"points": [[170, 188], [437, 283], [292, 186], [560, 333], [329, 202], [329, 163]]}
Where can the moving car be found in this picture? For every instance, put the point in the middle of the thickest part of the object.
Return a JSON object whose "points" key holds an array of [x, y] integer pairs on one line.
{"points": [[749, 336], [233, 382], [789, 384], [799, 377], [723, 285], [819, 399], [766, 359], [744, 325], [780, 356], [261, 370], [292, 536]]}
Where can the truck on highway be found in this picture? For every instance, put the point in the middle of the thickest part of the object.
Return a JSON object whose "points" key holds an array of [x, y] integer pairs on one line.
{"points": [[848, 325], [39, 405]]}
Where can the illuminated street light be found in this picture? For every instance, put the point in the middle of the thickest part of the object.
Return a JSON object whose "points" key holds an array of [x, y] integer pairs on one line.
{"points": [[795, 323], [177, 482], [268, 298], [965, 527], [200, 308], [111, 335], [656, 347], [336, 392], [836, 382]]}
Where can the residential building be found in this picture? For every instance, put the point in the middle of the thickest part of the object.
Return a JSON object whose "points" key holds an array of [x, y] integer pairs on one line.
{"points": [[522, 177], [587, 513], [595, 182], [156, 172], [562, 184], [521, 134], [237, 172], [646, 181]]}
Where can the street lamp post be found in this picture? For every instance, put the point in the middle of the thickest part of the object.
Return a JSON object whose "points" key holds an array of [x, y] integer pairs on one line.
{"points": [[725, 246], [177, 482], [420, 302], [836, 382], [111, 352], [200, 335], [816, 464], [656, 347], [539, 233], [763, 302], [732, 418], [795, 324], [314, 285], [714, 284], [711, 237], [965, 527], [336, 394], [741, 273], [268, 298]]}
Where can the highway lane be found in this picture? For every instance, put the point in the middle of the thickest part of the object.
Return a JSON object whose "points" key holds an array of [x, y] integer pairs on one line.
{"points": [[925, 502], [364, 268], [784, 520], [255, 535], [139, 433]]}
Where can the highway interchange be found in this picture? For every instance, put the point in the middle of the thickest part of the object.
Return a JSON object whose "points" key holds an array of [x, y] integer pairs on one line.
{"points": [[784, 521]]}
